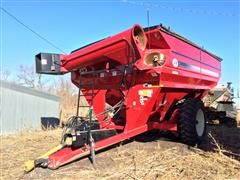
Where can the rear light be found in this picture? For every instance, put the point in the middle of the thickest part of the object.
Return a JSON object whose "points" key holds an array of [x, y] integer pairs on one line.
{"points": [[155, 59]]}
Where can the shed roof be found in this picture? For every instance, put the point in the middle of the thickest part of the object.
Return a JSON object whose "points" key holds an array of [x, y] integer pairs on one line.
{"points": [[26, 90]]}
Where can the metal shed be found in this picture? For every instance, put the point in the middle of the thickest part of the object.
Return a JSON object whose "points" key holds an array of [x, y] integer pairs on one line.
{"points": [[23, 108]]}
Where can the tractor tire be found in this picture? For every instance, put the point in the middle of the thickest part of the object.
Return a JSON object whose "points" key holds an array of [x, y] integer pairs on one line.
{"points": [[192, 121]]}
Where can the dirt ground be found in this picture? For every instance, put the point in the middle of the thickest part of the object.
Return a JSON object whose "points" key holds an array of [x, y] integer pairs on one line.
{"points": [[150, 156]]}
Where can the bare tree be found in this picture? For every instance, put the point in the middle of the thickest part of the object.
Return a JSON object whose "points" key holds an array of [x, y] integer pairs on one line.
{"points": [[5, 74], [28, 77]]}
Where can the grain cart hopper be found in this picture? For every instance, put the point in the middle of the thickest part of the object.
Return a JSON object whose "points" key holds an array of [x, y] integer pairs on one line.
{"points": [[220, 105], [148, 79]]}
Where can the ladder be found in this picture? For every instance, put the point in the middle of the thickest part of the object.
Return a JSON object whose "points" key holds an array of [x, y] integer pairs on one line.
{"points": [[89, 95], [90, 109]]}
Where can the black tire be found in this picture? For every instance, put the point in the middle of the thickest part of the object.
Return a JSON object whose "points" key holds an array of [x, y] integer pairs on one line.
{"points": [[189, 132]]}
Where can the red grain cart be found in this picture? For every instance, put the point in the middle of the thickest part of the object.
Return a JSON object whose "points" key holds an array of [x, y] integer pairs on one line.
{"points": [[135, 81]]}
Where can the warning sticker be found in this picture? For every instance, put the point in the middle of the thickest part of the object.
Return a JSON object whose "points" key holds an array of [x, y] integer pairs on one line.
{"points": [[144, 95]]}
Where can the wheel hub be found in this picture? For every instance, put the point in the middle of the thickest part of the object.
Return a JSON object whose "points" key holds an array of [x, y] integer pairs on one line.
{"points": [[200, 122]]}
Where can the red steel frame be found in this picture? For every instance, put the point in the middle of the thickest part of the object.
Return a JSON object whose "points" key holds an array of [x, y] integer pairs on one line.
{"points": [[149, 92]]}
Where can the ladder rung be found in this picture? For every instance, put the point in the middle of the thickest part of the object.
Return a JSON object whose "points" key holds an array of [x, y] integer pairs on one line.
{"points": [[87, 117], [89, 94], [85, 106], [88, 84], [82, 95]]}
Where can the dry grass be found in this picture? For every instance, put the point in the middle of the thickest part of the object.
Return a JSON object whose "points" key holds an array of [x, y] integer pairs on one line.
{"points": [[156, 159], [16, 149]]}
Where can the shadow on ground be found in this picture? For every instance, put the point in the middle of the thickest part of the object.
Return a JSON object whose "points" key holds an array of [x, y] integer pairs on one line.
{"points": [[227, 138]]}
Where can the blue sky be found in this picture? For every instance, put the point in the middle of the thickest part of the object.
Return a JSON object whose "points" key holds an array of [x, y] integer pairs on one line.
{"points": [[72, 24]]}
